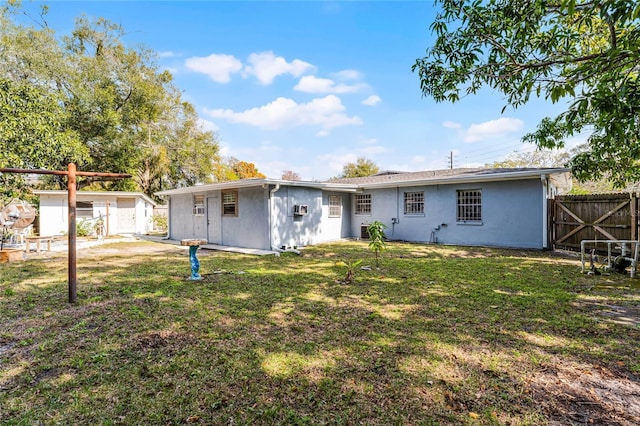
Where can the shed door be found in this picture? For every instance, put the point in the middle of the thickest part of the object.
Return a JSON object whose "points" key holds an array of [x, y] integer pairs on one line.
{"points": [[126, 215], [214, 229]]}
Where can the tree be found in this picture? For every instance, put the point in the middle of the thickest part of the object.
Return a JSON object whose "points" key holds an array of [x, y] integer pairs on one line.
{"points": [[376, 238], [233, 169], [362, 167], [31, 136], [290, 175], [123, 109], [538, 158], [586, 51]]}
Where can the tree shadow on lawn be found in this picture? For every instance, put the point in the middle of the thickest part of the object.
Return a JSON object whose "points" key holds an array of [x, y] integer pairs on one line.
{"points": [[284, 343]]}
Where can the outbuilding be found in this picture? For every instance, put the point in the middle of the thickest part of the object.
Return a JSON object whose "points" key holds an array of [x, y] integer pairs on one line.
{"points": [[121, 212]]}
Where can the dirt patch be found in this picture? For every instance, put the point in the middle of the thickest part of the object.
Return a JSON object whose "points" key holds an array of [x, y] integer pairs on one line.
{"points": [[586, 395]]}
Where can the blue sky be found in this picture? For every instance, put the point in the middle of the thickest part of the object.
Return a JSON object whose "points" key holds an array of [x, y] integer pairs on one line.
{"points": [[310, 86]]}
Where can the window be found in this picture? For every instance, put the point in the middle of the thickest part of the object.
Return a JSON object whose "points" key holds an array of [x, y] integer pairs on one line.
{"points": [[335, 206], [363, 203], [469, 206], [230, 203], [414, 202], [198, 205], [84, 210]]}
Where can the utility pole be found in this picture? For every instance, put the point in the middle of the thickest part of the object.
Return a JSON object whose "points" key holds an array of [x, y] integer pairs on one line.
{"points": [[451, 159]]}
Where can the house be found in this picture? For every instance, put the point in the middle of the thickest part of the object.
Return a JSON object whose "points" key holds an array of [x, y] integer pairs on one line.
{"points": [[489, 207], [121, 212]]}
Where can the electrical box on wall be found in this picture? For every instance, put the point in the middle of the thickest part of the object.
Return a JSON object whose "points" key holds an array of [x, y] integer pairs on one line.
{"points": [[300, 209]]}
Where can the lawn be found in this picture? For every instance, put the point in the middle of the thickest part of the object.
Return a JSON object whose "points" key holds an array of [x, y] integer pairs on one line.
{"points": [[435, 336]]}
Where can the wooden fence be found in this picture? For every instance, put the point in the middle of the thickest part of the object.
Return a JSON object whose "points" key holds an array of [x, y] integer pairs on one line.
{"points": [[573, 218]]}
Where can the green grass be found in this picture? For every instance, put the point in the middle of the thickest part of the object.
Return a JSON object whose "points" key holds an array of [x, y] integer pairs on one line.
{"points": [[436, 335]]}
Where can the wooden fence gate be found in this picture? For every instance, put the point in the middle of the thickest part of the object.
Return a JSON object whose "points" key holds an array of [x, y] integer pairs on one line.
{"points": [[573, 218]]}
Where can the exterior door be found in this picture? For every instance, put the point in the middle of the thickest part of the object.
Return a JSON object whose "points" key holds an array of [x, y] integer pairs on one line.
{"points": [[214, 225], [126, 215]]}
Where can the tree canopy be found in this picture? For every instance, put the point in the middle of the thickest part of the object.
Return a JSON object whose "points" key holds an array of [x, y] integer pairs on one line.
{"points": [[108, 107], [586, 52], [362, 167]]}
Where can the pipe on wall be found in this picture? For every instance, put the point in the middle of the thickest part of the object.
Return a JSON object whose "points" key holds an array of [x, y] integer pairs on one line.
{"points": [[269, 206]]}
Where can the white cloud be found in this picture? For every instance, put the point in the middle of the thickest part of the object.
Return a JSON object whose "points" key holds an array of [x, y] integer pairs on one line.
{"points": [[218, 67], [207, 125], [313, 84], [348, 75], [492, 129], [326, 113], [372, 100], [167, 54], [334, 163], [266, 66], [451, 125]]}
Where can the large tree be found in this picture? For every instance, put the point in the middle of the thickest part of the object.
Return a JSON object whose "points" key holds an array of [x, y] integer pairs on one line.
{"points": [[587, 52], [362, 167], [119, 104]]}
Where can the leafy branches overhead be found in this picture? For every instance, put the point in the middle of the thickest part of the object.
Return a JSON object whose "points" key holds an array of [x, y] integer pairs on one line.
{"points": [[586, 51], [113, 100]]}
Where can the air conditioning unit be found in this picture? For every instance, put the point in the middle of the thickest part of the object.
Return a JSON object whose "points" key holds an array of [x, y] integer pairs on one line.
{"points": [[300, 210], [364, 232]]}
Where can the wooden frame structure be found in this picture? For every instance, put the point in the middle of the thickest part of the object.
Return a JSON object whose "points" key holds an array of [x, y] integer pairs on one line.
{"points": [[71, 173]]}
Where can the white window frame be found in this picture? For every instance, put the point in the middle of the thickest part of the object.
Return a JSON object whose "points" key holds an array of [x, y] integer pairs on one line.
{"points": [[469, 206], [229, 198], [335, 206], [414, 203], [198, 205], [363, 204]]}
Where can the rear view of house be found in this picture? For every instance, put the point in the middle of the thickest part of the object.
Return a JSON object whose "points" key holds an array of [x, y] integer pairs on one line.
{"points": [[492, 207]]}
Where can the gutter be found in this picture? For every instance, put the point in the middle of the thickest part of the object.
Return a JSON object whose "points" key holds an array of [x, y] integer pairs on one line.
{"points": [[270, 207]]}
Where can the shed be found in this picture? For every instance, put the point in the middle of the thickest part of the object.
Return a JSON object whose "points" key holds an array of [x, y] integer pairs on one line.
{"points": [[122, 212]]}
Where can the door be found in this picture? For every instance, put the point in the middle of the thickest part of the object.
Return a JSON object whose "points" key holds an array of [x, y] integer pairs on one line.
{"points": [[214, 225], [126, 215]]}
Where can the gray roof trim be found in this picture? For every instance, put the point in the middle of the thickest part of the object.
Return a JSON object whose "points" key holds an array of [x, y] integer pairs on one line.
{"points": [[426, 178], [471, 178], [97, 193], [249, 183]]}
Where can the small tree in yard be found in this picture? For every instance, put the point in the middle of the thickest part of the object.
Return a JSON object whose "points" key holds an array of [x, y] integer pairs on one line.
{"points": [[376, 237]]}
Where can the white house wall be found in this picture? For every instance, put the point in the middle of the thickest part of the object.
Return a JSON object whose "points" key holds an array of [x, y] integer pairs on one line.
{"points": [[53, 216], [512, 215]]}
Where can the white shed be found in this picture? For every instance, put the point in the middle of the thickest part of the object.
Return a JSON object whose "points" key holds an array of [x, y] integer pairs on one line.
{"points": [[122, 212]]}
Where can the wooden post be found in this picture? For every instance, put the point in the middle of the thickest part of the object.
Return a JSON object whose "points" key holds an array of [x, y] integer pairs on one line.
{"points": [[71, 191], [71, 174]]}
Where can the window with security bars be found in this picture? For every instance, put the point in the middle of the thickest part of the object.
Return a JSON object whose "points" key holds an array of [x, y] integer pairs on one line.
{"points": [[414, 202], [335, 206], [198, 205], [230, 203], [363, 203], [469, 206]]}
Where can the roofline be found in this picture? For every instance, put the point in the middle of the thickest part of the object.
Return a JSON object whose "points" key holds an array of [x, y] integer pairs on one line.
{"points": [[94, 193], [352, 187], [249, 183], [489, 177]]}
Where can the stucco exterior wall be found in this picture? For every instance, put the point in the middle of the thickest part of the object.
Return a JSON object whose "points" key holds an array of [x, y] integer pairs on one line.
{"points": [[247, 229], [512, 215]]}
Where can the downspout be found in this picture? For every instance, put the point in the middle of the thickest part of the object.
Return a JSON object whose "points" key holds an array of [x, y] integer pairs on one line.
{"points": [[545, 224], [271, 192]]}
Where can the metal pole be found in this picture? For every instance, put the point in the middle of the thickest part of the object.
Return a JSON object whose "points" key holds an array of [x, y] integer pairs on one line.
{"points": [[71, 190]]}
